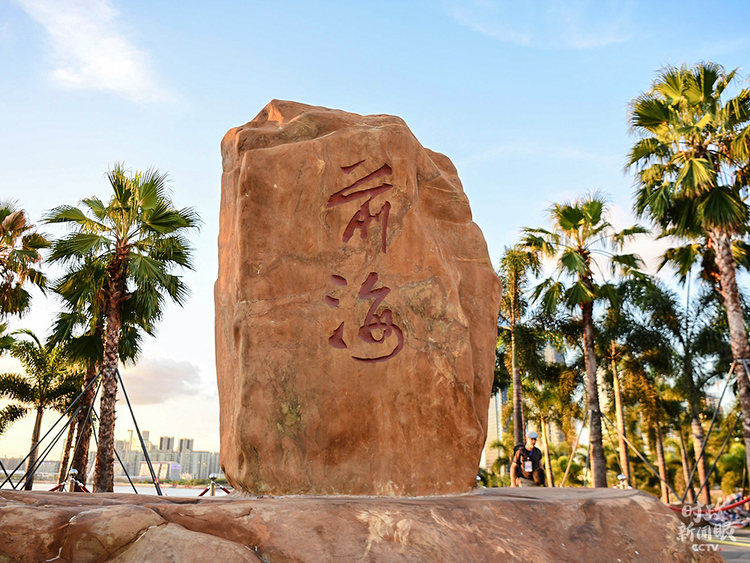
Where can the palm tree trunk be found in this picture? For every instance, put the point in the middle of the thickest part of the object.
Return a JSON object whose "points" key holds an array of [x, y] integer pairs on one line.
{"points": [[661, 463], [63, 474], [547, 459], [690, 497], [598, 461], [693, 398], [722, 244], [518, 425], [83, 439], [105, 458], [644, 434], [34, 450], [620, 419], [698, 436]]}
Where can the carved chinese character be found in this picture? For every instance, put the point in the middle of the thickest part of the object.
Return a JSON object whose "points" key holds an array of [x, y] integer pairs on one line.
{"points": [[364, 216], [382, 322], [337, 338], [374, 324]]}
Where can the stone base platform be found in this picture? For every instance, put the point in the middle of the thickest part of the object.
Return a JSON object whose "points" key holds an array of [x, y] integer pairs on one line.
{"points": [[528, 524]]}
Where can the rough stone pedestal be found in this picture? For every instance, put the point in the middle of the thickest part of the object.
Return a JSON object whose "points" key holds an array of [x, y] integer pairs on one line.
{"points": [[494, 525]]}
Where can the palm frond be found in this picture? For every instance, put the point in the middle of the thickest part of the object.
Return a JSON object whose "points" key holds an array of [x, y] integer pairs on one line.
{"points": [[648, 151], [573, 262], [98, 209], [10, 414], [625, 264], [722, 208], [15, 387], [78, 245], [550, 293], [621, 238], [682, 258], [649, 114], [579, 293], [540, 241], [696, 174]]}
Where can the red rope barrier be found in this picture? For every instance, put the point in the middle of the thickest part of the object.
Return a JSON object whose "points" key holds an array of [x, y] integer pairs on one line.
{"points": [[61, 485], [720, 509], [227, 491]]}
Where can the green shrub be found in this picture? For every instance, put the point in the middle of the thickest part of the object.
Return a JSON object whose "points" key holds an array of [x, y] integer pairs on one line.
{"points": [[729, 482]]}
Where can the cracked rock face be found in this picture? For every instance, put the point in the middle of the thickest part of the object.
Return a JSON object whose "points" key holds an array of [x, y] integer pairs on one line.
{"points": [[356, 310], [76, 529]]}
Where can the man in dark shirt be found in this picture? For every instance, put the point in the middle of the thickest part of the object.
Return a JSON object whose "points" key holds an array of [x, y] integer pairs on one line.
{"points": [[527, 463]]}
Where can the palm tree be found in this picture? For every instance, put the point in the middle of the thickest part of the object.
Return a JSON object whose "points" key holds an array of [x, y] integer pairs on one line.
{"points": [[616, 328], [20, 246], [698, 341], [627, 341], [646, 368], [579, 232], [50, 382], [139, 238], [692, 172], [80, 329], [676, 416], [515, 265]]}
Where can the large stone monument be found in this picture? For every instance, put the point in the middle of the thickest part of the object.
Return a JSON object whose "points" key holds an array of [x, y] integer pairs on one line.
{"points": [[356, 309]]}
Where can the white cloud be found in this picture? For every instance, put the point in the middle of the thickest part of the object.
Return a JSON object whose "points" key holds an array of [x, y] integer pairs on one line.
{"points": [[556, 24], [156, 380], [90, 52]]}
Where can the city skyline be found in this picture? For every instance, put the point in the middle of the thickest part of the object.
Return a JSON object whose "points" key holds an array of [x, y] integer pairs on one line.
{"points": [[193, 464]]}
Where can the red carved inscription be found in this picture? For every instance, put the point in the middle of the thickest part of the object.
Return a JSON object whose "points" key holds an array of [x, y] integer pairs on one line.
{"points": [[376, 327], [382, 322], [363, 216], [337, 338]]}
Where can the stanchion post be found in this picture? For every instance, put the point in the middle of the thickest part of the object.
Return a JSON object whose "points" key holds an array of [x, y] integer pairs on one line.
{"points": [[72, 479]]}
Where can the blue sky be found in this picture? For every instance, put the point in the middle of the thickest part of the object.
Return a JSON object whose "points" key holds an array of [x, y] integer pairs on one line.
{"points": [[529, 100]]}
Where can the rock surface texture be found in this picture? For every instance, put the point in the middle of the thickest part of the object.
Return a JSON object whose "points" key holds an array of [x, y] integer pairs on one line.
{"points": [[356, 310], [530, 525]]}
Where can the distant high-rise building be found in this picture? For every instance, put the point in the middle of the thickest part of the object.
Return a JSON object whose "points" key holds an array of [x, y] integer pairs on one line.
{"points": [[495, 427], [551, 355], [501, 411], [712, 402], [185, 444], [134, 442], [166, 443], [199, 465]]}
